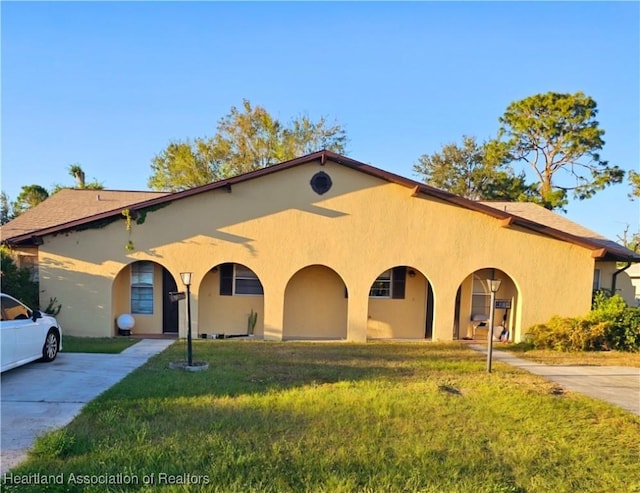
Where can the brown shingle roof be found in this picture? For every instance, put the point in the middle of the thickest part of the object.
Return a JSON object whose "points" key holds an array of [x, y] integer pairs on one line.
{"points": [[70, 205], [538, 214], [542, 223]]}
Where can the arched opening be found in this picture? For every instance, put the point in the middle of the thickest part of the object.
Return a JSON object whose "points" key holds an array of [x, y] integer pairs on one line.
{"points": [[315, 305], [229, 293], [142, 289], [473, 306], [400, 305]]}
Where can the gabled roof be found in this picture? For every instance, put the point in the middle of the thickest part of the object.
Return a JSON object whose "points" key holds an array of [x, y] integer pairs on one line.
{"points": [[68, 206], [558, 228], [538, 214]]}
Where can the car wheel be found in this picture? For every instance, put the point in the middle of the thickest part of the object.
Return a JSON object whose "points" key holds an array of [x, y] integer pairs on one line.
{"points": [[51, 346]]}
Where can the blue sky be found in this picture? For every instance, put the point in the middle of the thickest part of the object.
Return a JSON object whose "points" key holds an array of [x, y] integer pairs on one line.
{"points": [[109, 85]]}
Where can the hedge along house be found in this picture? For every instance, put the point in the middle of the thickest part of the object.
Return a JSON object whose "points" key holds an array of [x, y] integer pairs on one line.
{"points": [[320, 247]]}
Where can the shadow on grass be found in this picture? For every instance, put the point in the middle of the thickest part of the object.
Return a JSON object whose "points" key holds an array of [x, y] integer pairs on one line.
{"points": [[237, 368]]}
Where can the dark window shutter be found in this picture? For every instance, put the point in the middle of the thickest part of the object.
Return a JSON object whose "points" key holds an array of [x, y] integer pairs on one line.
{"points": [[226, 279], [398, 278]]}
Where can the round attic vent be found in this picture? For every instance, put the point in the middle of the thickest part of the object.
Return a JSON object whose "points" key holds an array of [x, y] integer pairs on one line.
{"points": [[321, 182]]}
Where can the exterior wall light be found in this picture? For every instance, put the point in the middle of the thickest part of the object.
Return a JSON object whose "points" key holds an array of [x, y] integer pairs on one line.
{"points": [[186, 278]]}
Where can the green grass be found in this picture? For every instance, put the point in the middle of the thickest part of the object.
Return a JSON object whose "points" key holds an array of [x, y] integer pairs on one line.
{"points": [[112, 345], [304, 417]]}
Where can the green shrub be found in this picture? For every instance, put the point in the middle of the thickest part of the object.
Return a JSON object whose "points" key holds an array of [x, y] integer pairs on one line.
{"points": [[611, 325], [625, 335], [552, 335], [53, 308], [16, 281], [606, 307], [569, 334], [590, 336]]}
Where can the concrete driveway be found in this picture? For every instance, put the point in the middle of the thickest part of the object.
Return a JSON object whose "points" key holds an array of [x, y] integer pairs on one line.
{"points": [[619, 385], [41, 396]]}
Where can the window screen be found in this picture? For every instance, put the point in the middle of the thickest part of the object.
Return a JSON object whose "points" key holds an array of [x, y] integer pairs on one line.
{"points": [[142, 288]]}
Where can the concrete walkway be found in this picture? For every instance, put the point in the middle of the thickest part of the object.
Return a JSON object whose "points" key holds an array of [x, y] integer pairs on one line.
{"points": [[619, 385], [38, 397]]}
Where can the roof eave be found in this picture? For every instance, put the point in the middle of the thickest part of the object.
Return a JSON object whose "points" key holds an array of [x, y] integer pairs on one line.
{"points": [[507, 219], [609, 256], [35, 237], [321, 156]]}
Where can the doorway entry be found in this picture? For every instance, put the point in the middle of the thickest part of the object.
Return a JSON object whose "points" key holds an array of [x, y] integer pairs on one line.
{"points": [[169, 308]]}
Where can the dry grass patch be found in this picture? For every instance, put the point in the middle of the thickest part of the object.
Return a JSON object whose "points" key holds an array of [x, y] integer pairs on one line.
{"points": [[577, 358]]}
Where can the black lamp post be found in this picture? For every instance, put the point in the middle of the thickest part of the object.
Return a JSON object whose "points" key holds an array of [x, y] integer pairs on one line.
{"points": [[494, 285], [186, 280]]}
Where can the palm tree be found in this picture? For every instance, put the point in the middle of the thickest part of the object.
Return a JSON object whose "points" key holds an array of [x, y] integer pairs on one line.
{"points": [[76, 171]]}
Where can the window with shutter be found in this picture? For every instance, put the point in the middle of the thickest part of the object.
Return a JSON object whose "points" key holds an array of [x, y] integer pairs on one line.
{"points": [[381, 287], [236, 279], [390, 284]]}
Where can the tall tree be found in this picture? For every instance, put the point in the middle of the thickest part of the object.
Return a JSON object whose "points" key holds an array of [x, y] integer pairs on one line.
{"points": [[634, 181], [247, 139], [558, 136], [5, 209], [76, 171], [184, 165], [632, 243], [472, 170], [30, 196]]}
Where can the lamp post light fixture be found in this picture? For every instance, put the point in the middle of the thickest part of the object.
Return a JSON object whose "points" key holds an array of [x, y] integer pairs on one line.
{"points": [[186, 280], [494, 286]]}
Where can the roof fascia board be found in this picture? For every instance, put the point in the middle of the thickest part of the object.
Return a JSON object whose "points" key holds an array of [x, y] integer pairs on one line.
{"points": [[418, 189], [225, 184]]}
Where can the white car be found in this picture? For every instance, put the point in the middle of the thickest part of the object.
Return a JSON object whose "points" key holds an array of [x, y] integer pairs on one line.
{"points": [[26, 335]]}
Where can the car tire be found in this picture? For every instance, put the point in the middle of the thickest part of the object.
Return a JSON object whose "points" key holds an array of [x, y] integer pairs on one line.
{"points": [[51, 346]]}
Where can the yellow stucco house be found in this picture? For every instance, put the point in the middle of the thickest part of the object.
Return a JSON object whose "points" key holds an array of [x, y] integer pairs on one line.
{"points": [[320, 247], [628, 285]]}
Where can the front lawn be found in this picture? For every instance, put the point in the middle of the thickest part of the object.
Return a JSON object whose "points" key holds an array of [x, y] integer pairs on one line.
{"points": [[110, 345], [339, 417]]}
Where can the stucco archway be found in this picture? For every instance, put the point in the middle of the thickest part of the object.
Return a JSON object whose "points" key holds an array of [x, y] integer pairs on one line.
{"points": [[228, 294], [142, 288], [315, 305], [400, 305], [473, 305]]}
